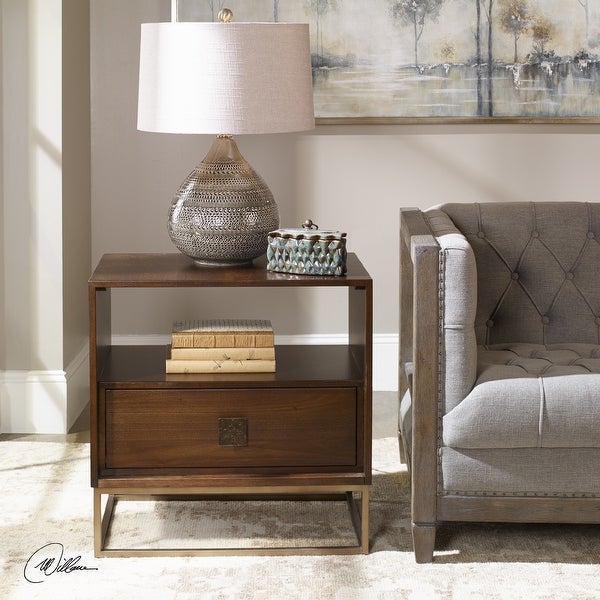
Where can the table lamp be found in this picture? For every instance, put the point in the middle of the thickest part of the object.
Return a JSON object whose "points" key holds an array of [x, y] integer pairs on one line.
{"points": [[224, 79]]}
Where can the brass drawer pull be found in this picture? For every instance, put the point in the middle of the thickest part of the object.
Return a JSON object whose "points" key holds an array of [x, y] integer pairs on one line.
{"points": [[233, 431]]}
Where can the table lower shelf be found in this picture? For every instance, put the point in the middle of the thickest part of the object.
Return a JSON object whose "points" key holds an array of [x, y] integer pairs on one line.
{"points": [[353, 535]]}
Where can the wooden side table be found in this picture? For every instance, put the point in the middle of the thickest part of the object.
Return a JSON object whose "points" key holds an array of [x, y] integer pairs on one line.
{"points": [[304, 430]]}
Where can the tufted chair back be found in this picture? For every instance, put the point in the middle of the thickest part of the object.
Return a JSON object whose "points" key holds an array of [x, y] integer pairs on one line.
{"points": [[538, 270]]}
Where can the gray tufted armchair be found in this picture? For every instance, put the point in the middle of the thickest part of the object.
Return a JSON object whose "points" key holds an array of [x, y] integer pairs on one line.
{"points": [[500, 364]]}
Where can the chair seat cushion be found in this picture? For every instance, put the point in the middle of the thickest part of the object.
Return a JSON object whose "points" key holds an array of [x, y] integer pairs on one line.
{"points": [[530, 396]]}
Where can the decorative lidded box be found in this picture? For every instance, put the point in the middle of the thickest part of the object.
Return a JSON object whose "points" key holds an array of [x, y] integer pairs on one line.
{"points": [[307, 251]]}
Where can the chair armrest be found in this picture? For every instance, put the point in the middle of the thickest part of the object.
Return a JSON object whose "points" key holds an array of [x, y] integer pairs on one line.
{"points": [[416, 241], [419, 348]]}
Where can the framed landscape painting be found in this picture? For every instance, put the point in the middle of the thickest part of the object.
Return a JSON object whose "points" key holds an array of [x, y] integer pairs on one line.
{"points": [[388, 61]]}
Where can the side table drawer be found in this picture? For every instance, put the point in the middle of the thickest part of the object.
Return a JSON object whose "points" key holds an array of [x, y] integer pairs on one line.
{"points": [[230, 428]]}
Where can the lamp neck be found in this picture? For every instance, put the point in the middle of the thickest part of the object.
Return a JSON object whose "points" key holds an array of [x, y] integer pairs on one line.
{"points": [[223, 149]]}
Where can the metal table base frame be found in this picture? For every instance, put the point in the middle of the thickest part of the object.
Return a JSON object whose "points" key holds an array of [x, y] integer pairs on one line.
{"points": [[358, 510]]}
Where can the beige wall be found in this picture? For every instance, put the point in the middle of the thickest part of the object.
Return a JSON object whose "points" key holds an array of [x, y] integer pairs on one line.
{"points": [[76, 204], [349, 177], [46, 181], [45, 213], [15, 289], [353, 177], [32, 181], [2, 248]]}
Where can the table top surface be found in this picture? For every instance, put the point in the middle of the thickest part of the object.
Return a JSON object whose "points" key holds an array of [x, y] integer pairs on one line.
{"points": [[178, 270]]}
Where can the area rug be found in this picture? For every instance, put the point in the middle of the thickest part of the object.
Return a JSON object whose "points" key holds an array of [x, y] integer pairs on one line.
{"points": [[46, 519]]}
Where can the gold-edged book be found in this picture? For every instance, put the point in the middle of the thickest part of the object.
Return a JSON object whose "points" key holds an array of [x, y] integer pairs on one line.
{"points": [[223, 353], [223, 333], [220, 366]]}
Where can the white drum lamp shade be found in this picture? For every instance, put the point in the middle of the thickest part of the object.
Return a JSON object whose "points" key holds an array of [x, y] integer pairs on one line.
{"points": [[224, 79]]}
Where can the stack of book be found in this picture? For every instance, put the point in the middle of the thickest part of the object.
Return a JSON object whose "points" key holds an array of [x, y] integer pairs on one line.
{"points": [[222, 346]]}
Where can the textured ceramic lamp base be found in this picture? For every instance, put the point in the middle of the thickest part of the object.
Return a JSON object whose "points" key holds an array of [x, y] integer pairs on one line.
{"points": [[223, 211]]}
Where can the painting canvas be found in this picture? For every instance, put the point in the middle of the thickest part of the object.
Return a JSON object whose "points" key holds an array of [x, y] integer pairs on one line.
{"points": [[441, 60]]}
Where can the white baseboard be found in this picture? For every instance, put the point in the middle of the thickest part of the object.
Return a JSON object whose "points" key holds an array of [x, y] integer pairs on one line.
{"points": [[33, 401], [44, 401], [51, 401], [385, 351], [78, 385], [385, 362]]}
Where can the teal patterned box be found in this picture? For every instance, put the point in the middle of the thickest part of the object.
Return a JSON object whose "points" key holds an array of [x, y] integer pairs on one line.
{"points": [[307, 251]]}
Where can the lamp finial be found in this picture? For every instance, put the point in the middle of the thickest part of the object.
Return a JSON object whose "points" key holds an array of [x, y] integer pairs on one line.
{"points": [[225, 15]]}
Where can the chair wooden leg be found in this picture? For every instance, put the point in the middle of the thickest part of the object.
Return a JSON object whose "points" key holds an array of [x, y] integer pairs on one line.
{"points": [[423, 542]]}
